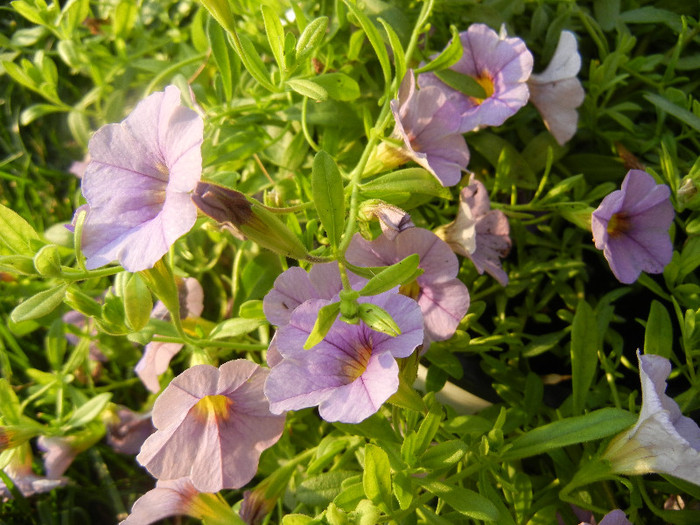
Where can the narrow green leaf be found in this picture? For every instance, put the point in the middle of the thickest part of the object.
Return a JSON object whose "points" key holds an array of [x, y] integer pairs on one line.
{"points": [[220, 51], [396, 48], [378, 319], [409, 181], [339, 86], [462, 83], [376, 478], [251, 60], [658, 336], [10, 407], [308, 88], [328, 195], [275, 34], [463, 500], [428, 428], [580, 429], [17, 233], [326, 317], [311, 37], [448, 57], [232, 328], [403, 490], [36, 111], [89, 411], [584, 353], [40, 304], [444, 455], [374, 38], [682, 114], [138, 302], [397, 274], [161, 281]]}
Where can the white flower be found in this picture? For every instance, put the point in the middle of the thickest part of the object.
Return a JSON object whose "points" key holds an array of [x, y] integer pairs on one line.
{"points": [[556, 92], [662, 440]]}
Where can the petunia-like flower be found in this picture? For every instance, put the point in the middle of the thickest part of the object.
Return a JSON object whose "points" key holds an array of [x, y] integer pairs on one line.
{"points": [[631, 227], [443, 299], [501, 65], [478, 232], [429, 126], [157, 355], [138, 183], [175, 498], [662, 440], [212, 425], [392, 219], [19, 470], [127, 431], [557, 92], [614, 517], [352, 371]]}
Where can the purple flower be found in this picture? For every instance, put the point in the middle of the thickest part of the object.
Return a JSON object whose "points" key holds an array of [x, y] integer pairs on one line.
{"points": [[500, 65], [138, 183], [429, 126], [212, 425], [631, 227], [663, 440], [614, 517], [60, 451], [443, 299], [129, 429], [19, 470], [352, 371], [480, 233], [178, 497], [157, 355], [557, 92], [392, 219]]}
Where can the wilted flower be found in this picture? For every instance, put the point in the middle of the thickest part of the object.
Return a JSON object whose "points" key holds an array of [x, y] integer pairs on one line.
{"points": [[557, 92], [157, 355], [631, 227], [392, 219], [500, 65], [19, 470], [478, 232], [179, 497], [352, 371], [662, 440], [429, 126], [60, 451], [127, 431], [212, 425], [443, 299], [138, 183]]}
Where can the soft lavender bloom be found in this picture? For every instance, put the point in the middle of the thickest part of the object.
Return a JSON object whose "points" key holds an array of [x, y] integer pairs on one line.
{"points": [[138, 183], [557, 92], [614, 517], [429, 126], [352, 371], [212, 425], [175, 498], [501, 65], [157, 355], [60, 451], [443, 299], [78, 167], [663, 440], [19, 470], [480, 233], [392, 219], [631, 227], [129, 429]]}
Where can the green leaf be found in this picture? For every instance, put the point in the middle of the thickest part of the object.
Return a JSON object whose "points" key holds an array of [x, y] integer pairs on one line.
{"points": [[463, 83], [232, 328], [17, 234], [161, 281], [397, 274], [403, 490], [326, 317], [251, 60], [580, 429], [322, 489], [22, 264], [222, 58], [396, 187], [40, 304], [396, 48], [584, 353], [444, 455], [658, 335], [275, 35], [311, 37], [339, 86], [10, 407], [328, 196], [428, 428], [376, 478], [36, 111], [463, 500], [138, 302], [378, 319], [448, 57], [682, 114], [89, 411], [47, 261], [374, 38], [308, 88]]}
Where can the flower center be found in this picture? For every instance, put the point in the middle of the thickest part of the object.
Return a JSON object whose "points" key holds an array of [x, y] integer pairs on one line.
{"points": [[618, 225], [486, 82], [216, 406], [411, 289], [356, 365]]}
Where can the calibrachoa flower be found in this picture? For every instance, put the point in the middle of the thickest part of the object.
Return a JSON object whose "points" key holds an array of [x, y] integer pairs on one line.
{"points": [[429, 126], [212, 425], [19, 470], [60, 451], [127, 431], [557, 92], [392, 219], [175, 498], [443, 299], [157, 355], [478, 232], [662, 440], [631, 227], [138, 183], [501, 65], [352, 371], [614, 517]]}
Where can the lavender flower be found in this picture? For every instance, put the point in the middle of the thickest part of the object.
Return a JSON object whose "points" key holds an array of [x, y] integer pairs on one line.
{"points": [[443, 299], [19, 470], [429, 126], [157, 355], [128, 430], [557, 92], [478, 232], [212, 425], [352, 371], [138, 183], [392, 219], [501, 65], [631, 227], [662, 440], [60, 451], [614, 517]]}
